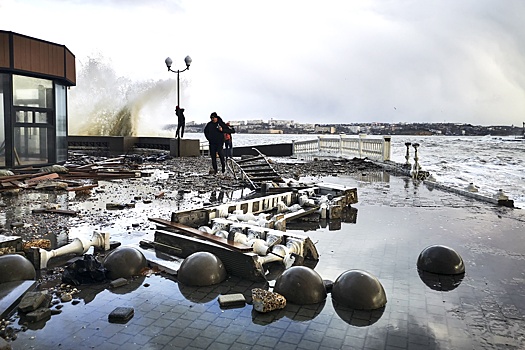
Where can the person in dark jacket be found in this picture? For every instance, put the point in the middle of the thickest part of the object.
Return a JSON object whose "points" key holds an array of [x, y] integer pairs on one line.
{"points": [[181, 121], [214, 132], [228, 143]]}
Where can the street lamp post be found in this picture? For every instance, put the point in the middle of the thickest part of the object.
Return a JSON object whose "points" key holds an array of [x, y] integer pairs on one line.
{"points": [[169, 62]]}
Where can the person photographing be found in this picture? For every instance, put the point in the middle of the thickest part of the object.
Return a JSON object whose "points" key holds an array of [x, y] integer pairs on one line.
{"points": [[214, 132], [228, 142]]}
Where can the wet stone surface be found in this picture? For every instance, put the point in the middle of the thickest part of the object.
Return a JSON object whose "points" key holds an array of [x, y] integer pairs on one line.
{"points": [[396, 218]]}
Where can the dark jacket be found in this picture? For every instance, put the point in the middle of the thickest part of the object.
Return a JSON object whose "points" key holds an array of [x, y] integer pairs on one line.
{"points": [[214, 135]]}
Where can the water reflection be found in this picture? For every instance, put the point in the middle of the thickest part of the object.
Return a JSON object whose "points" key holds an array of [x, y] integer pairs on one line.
{"points": [[205, 294], [298, 313], [374, 176], [133, 284], [442, 283], [357, 318], [314, 222]]}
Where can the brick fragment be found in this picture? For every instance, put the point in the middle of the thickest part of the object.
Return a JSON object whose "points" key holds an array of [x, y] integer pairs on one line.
{"points": [[232, 300], [121, 315]]}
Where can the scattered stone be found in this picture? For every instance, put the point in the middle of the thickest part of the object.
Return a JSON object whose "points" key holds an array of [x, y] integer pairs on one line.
{"points": [[119, 282], [31, 301], [266, 301], [121, 315], [56, 311], [47, 300], [38, 315], [66, 297]]}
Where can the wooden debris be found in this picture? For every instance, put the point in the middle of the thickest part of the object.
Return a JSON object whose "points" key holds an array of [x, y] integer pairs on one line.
{"points": [[30, 177], [55, 211], [38, 243], [42, 178], [186, 230]]}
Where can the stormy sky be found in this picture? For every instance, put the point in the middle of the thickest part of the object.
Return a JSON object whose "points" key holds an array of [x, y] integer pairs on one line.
{"points": [[308, 61]]}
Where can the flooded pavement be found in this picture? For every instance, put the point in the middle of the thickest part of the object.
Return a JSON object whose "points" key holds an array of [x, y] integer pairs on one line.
{"points": [[394, 220]]}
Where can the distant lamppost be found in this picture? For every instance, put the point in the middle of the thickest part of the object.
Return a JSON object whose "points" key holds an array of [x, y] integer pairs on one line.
{"points": [[169, 62]]}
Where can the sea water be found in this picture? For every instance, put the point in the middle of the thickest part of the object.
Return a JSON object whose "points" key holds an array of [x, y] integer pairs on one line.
{"points": [[489, 163]]}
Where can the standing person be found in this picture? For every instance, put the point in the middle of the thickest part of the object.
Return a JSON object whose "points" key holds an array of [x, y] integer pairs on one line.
{"points": [[181, 120], [214, 132], [228, 144]]}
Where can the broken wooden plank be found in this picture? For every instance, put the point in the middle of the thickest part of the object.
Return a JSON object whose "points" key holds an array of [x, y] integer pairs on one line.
{"points": [[17, 177], [42, 178], [300, 213], [19, 184], [81, 188], [243, 264], [203, 235], [55, 211]]}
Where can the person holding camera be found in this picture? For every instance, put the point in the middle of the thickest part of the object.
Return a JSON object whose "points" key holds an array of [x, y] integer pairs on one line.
{"points": [[228, 142], [214, 132]]}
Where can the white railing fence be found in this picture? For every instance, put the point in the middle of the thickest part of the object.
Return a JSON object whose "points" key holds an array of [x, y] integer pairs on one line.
{"points": [[345, 146]]}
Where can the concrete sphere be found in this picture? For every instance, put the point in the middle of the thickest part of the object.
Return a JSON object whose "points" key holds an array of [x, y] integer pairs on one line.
{"points": [[301, 285], [357, 289], [440, 259], [124, 262], [14, 267], [201, 269]]}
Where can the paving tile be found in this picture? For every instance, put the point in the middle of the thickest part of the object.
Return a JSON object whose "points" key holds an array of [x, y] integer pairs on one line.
{"points": [[393, 225]]}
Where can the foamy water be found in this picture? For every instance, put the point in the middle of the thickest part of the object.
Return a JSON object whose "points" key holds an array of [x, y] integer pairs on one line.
{"points": [[490, 163]]}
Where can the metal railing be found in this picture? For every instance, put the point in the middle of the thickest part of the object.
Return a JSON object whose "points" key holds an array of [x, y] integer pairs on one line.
{"points": [[345, 146], [204, 148]]}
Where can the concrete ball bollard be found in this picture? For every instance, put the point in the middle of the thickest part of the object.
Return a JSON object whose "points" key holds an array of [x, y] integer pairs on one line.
{"points": [[357, 289], [440, 259], [124, 262], [301, 285], [201, 269], [14, 267]]}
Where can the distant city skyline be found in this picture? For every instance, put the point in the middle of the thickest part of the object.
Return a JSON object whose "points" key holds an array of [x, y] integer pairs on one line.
{"points": [[331, 62]]}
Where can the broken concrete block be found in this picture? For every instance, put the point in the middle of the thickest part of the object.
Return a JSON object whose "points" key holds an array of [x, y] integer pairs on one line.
{"points": [[266, 301], [119, 282], [38, 315], [31, 301], [121, 315], [232, 300]]}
